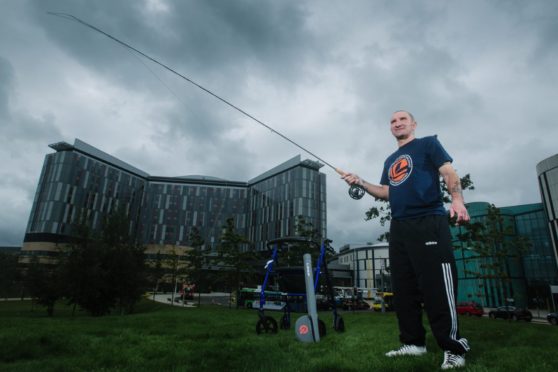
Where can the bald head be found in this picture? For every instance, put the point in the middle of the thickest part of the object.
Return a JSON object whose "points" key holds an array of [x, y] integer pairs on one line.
{"points": [[403, 126], [408, 113]]}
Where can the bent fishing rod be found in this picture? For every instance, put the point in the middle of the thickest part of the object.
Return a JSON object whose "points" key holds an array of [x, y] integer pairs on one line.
{"points": [[355, 191]]}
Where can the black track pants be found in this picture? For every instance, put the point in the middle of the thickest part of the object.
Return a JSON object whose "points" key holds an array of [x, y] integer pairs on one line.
{"points": [[423, 271]]}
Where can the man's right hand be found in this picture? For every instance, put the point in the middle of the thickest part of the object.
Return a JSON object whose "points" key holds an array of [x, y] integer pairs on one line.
{"points": [[377, 191], [352, 179]]}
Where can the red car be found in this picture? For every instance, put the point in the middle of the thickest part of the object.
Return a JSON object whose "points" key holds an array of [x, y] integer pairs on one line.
{"points": [[470, 308]]}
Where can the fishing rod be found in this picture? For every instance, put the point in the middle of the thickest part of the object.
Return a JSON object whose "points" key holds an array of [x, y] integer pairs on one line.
{"points": [[355, 191]]}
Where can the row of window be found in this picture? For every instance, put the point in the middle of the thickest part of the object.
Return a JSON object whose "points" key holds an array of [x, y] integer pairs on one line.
{"points": [[73, 184]]}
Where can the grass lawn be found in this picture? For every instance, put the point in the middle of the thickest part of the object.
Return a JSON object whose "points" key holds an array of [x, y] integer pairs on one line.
{"points": [[212, 338]]}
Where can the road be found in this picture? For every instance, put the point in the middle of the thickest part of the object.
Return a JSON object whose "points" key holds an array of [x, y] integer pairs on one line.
{"points": [[222, 298]]}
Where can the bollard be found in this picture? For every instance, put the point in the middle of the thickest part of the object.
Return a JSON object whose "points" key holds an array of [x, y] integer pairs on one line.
{"points": [[307, 327]]}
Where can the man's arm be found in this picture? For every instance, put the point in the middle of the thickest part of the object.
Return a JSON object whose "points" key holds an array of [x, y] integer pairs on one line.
{"points": [[377, 191], [453, 183]]}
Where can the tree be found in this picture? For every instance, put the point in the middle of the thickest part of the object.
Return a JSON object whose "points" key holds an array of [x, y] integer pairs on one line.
{"points": [[86, 272], [43, 282], [155, 272], [383, 212], [295, 251], [173, 264], [196, 260], [495, 247], [126, 271], [9, 274], [104, 269], [237, 256]]}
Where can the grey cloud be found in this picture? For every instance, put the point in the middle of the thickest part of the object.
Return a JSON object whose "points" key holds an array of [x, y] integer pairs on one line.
{"points": [[206, 39], [218, 44], [39, 130], [426, 81], [481, 74], [11, 232], [24, 136], [6, 79], [196, 119], [516, 178], [270, 31], [18, 124]]}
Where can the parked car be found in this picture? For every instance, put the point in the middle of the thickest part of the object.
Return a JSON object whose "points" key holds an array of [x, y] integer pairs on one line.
{"points": [[377, 306], [182, 297], [511, 312], [386, 298], [357, 304], [552, 318], [469, 308]]}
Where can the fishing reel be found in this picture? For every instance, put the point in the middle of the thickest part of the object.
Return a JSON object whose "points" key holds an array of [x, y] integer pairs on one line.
{"points": [[356, 191]]}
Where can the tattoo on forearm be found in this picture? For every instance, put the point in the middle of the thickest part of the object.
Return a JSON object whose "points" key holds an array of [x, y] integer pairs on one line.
{"points": [[456, 188]]}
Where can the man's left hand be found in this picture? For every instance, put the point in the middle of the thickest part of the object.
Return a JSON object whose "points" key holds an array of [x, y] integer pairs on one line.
{"points": [[458, 209]]}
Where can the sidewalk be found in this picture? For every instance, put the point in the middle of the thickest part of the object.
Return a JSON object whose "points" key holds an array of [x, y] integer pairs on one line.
{"points": [[215, 298]]}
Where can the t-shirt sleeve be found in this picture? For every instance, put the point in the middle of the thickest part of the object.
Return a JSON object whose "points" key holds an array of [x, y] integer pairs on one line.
{"points": [[385, 179], [437, 153]]}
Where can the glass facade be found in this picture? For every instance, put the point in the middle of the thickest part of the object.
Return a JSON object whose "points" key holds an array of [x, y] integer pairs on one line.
{"points": [[80, 180], [274, 201], [547, 171], [369, 265], [529, 275], [173, 208], [74, 185]]}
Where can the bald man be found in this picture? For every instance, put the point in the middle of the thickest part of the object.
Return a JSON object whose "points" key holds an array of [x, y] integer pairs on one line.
{"points": [[421, 256]]}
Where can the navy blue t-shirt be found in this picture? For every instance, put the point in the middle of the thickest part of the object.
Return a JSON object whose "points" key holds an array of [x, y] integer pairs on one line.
{"points": [[413, 178]]}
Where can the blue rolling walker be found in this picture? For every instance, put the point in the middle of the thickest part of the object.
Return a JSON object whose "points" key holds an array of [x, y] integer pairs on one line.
{"points": [[295, 286]]}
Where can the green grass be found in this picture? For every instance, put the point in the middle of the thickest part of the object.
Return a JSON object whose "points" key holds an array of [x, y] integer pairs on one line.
{"points": [[163, 338]]}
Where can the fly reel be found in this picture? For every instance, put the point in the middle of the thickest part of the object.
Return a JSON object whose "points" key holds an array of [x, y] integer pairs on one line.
{"points": [[356, 191]]}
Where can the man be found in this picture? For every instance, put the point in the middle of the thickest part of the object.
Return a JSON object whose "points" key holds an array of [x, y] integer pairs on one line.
{"points": [[421, 257]]}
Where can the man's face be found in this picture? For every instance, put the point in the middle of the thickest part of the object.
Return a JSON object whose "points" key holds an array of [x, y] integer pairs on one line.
{"points": [[402, 126]]}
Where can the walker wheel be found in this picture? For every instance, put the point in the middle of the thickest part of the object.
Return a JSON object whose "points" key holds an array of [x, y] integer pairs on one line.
{"points": [[266, 325]]}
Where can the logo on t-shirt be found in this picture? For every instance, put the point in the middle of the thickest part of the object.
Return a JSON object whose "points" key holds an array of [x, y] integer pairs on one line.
{"points": [[400, 170]]}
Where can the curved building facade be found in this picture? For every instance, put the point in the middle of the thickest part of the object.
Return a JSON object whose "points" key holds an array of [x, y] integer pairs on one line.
{"points": [[369, 264], [547, 173], [80, 180]]}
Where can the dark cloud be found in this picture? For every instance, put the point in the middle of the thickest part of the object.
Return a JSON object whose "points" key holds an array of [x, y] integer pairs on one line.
{"points": [[480, 74], [24, 136], [205, 40], [19, 125], [196, 119], [218, 44]]}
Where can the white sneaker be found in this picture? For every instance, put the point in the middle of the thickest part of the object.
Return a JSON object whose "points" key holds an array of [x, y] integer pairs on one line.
{"points": [[453, 360], [412, 350]]}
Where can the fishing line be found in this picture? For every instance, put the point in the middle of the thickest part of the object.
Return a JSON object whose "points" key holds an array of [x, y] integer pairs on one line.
{"points": [[178, 99], [355, 191]]}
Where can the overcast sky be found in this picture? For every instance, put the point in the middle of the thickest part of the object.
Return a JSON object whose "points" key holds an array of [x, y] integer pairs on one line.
{"points": [[482, 75]]}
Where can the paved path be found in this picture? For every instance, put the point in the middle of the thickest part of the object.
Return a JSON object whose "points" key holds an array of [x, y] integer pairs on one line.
{"points": [[215, 298]]}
